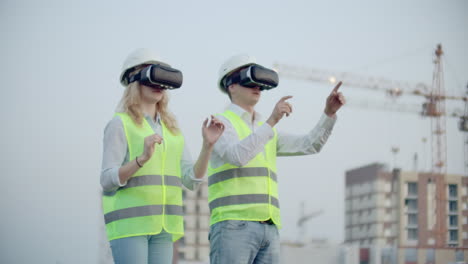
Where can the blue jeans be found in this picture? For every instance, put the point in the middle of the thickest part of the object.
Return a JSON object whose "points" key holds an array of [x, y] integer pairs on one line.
{"points": [[143, 249], [244, 242]]}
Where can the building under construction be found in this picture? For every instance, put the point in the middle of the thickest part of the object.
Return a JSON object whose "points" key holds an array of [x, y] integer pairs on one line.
{"points": [[194, 246], [406, 217]]}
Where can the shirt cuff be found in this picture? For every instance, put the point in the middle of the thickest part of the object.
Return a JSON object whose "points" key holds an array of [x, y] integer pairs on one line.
{"points": [[327, 122], [193, 178], [191, 182], [116, 179]]}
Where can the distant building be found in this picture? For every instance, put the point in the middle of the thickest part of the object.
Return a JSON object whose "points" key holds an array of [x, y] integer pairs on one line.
{"points": [[421, 217], [194, 246]]}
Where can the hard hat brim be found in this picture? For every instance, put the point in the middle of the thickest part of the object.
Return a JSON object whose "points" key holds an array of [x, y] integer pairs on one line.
{"points": [[220, 81]]}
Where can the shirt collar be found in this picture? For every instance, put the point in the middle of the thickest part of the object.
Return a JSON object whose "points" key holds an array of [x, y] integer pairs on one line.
{"points": [[246, 116], [149, 119]]}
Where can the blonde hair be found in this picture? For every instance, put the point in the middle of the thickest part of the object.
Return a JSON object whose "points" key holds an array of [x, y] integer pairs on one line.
{"points": [[130, 104]]}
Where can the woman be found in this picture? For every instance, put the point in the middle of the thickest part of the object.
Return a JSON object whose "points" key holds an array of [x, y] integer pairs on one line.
{"points": [[145, 161]]}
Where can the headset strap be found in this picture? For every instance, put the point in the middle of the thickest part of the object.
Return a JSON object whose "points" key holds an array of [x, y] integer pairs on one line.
{"points": [[232, 79], [135, 77]]}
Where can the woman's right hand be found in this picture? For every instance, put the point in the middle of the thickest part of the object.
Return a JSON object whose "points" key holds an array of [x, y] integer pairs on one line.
{"points": [[148, 151]]}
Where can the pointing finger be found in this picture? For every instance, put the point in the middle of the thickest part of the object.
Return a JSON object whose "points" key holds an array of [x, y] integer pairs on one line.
{"points": [[337, 86], [284, 98]]}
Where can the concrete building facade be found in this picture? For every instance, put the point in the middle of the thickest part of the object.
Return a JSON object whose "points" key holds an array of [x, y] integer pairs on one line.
{"points": [[194, 246], [422, 216]]}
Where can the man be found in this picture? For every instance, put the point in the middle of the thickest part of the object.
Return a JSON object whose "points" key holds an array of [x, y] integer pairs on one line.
{"points": [[243, 195]]}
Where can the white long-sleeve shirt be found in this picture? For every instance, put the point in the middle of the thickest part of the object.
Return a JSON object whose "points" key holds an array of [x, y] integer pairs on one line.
{"points": [[229, 149], [115, 154]]}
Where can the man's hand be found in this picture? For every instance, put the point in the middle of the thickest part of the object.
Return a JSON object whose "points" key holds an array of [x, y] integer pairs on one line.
{"points": [[334, 101], [281, 108]]}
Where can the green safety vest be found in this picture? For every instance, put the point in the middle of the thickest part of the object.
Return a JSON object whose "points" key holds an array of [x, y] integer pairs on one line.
{"points": [[152, 199], [249, 192]]}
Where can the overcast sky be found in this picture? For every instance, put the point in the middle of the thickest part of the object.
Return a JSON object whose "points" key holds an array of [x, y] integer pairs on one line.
{"points": [[60, 63]]}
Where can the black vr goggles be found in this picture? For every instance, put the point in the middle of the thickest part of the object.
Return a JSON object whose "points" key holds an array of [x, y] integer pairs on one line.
{"points": [[159, 76], [253, 76]]}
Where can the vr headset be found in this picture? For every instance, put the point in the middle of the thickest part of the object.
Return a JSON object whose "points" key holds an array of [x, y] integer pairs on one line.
{"points": [[159, 76], [253, 76]]}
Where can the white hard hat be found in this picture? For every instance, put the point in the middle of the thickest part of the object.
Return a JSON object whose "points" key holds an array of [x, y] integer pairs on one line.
{"points": [[138, 57], [232, 64]]}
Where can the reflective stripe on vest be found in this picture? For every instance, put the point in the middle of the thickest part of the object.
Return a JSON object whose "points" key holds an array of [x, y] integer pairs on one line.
{"points": [[145, 180], [240, 172], [151, 201], [244, 199], [142, 211], [249, 192]]}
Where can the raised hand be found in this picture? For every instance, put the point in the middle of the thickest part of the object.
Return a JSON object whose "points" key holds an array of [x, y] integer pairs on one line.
{"points": [[212, 131], [281, 108], [334, 101], [150, 142]]}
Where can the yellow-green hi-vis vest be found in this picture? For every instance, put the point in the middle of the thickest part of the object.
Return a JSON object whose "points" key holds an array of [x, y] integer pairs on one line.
{"points": [[152, 199], [249, 192]]}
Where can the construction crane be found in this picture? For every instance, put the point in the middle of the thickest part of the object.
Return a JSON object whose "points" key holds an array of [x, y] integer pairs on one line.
{"points": [[433, 107], [400, 107], [463, 126]]}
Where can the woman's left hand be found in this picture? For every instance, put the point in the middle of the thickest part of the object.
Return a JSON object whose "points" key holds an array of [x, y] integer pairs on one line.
{"points": [[212, 131]]}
